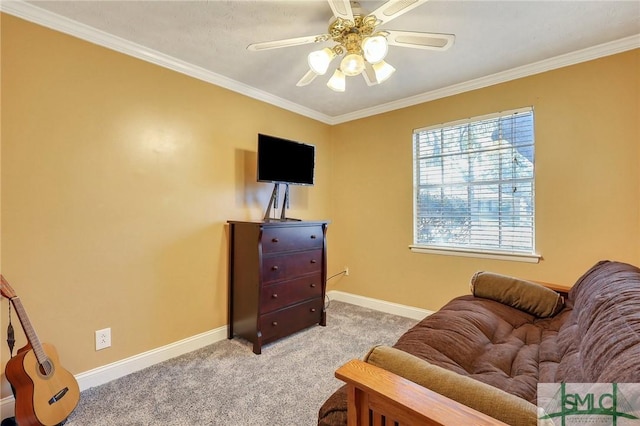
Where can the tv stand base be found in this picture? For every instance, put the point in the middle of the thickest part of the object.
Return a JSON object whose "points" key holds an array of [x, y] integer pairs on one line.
{"points": [[273, 202]]}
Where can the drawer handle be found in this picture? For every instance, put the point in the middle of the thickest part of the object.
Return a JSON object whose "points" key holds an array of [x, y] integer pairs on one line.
{"points": [[274, 296], [313, 261], [275, 323], [274, 240], [312, 309], [313, 237], [312, 285], [274, 268]]}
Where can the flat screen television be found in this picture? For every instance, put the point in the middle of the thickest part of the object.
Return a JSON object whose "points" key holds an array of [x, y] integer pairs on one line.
{"points": [[285, 161]]}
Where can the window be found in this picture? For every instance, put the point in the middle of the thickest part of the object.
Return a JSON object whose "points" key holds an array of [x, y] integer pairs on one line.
{"points": [[474, 186]]}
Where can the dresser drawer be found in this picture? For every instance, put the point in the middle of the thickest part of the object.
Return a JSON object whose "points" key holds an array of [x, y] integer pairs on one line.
{"points": [[276, 268], [278, 239], [286, 321], [285, 293]]}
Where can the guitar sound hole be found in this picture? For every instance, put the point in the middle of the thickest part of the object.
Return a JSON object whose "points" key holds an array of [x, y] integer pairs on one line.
{"points": [[46, 368]]}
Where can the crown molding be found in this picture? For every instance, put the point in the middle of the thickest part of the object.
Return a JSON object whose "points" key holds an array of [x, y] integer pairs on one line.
{"points": [[68, 26], [584, 55]]}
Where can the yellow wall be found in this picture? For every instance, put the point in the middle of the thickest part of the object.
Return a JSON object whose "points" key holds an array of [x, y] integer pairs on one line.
{"points": [[587, 183], [118, 177]]}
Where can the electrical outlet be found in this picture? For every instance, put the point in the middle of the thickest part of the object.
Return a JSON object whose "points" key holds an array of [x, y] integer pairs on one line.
{"points": [[346, 271], [103, 338]]}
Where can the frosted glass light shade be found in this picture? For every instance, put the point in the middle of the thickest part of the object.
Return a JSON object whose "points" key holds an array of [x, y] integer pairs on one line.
{"points": [[352, 64], [319, 60], [375, 48], [337, 82], [383, 71]]}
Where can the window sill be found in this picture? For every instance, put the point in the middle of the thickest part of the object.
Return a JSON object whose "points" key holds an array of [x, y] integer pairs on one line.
{"points": [[513, 257]]}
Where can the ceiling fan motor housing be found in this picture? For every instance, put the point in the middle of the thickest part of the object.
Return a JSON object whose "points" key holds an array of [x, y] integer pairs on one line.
{"points": [[350, 34]]}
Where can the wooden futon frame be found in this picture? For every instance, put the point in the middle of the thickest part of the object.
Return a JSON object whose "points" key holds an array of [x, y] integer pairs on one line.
{"points": [[377, 397]]}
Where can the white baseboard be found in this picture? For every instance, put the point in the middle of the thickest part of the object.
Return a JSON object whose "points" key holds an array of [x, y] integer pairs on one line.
{"points": [[379, 305], [109, 372]]}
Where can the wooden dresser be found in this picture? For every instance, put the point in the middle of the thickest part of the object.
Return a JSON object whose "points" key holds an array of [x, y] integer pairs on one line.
{"points": [[277, 279]]}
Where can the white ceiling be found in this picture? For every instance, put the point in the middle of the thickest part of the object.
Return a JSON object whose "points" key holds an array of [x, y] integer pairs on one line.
{"points": [[495, 41]]}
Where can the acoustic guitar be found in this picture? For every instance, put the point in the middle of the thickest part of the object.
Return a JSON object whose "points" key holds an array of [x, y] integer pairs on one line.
{"points": [[45, 392]]}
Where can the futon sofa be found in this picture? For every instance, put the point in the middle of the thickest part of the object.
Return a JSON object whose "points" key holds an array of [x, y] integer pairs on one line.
{"points": [[484, 354]]}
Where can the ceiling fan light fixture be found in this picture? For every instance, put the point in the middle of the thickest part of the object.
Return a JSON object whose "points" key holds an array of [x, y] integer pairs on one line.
{"points": [[355, 35], [383, 71], [337, 82], [375, 48], [319, 60], [352, 64]]}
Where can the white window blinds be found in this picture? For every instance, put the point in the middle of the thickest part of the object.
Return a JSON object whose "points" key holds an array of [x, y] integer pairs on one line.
{"points": [[474, 184]]}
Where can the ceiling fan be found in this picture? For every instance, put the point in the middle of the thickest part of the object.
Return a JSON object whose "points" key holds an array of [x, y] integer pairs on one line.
{"points": [[363, 45]]}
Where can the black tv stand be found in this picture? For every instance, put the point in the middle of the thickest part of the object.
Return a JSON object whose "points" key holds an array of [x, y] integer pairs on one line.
{"points": [[273, 202]]}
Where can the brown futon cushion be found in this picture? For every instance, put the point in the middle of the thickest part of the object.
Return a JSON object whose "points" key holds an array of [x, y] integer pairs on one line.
{"points": [[600, 341], [489, 341]]}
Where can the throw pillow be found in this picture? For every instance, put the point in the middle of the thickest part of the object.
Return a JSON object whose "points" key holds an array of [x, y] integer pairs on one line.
{"points": [[524, 295]]}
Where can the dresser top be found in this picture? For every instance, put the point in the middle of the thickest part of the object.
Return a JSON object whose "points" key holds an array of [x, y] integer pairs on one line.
{"points": [[279, 223]]}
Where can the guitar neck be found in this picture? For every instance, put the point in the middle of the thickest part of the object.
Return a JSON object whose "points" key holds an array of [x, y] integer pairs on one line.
{"points": [[29, 331]]}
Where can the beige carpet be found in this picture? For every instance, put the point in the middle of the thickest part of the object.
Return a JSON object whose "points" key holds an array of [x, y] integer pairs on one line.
{"points": [[227, 384]]}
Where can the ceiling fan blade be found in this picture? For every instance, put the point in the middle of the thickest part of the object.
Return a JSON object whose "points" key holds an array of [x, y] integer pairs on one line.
{"points": [[394, 8], [419, 40], [288, 42], [307, 78], [341, 9]]}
